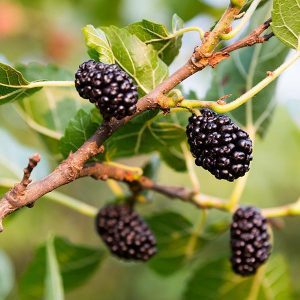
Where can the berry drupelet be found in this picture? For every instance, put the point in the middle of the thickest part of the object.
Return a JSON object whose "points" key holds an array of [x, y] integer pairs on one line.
{"points": [[109, 87], [250, 241], [125, 233], [219, 145]]}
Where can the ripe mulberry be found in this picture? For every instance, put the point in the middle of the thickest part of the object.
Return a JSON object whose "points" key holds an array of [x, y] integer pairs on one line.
{"points": [[250, 241], [219, 145], [109, 87], [125, 233]]}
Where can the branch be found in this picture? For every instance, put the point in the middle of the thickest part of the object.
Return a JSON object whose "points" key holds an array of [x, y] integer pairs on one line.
{"points": [[219, 107], [102, 171], [253, 38], [292, 209], [15, 197], [99, 171], [244, 21], [71, 168]]}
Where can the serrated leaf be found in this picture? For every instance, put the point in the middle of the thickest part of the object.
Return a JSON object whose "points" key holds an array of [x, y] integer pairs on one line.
{"points": [[49, 111], [215, 280], [97, 44], [76, 263], [177, 241], [6, 275], [13, 85], [286, 22], [146, 133], [139, 60], [53, 283], [172, 232], [242, 71], [79, 129], [166, 45]]}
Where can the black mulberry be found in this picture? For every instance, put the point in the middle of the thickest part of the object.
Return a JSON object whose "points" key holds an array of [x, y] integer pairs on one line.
{"points": [[219, 145], [250, 241], [109, 87], [125, 233]]}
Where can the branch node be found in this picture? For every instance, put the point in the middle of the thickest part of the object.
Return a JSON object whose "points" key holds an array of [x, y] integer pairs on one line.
{"points": [[16, 194]]}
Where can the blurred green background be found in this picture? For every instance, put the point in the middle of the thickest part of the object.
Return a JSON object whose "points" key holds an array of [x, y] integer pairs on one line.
{"points": [[50, 31]]}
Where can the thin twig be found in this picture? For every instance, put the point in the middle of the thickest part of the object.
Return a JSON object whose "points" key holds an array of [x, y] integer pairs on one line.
{"points": [[138, 183], [17, 192]]}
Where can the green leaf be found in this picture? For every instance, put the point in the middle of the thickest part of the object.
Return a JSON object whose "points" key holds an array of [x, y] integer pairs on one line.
{"points": [[53, 285], [37, 72], [146, 133], [166, 44], [215, 280], [6, 275], [174, 158], [76, 263], [242, 71], [151, 170], [98, 45], [172, 232], [79, 129], [13, 85], [190, 8], [286, 22], [249, 2], [177, 241], [139, 60], [48, 111]]}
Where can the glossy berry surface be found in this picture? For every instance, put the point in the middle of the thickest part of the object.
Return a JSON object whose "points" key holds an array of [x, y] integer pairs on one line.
{"points": [[107, 86], [125, 233], [219, 145], [249, 240]]}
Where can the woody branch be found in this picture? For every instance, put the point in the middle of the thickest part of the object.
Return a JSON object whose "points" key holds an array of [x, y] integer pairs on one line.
{"points": [[71, 168]]}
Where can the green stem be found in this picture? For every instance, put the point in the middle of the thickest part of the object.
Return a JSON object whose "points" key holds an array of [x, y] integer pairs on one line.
{"points": [[189, 29], [193, 240], [34, 125], [60, 198], [72, 203], [244, 21], [136, 170], [282, 211], [241, 183], [204, 201], [237, 193], [191, 168], [180, 32], [256, 283], [115, 188], [39, 84], [258, 87], [223, 108]]}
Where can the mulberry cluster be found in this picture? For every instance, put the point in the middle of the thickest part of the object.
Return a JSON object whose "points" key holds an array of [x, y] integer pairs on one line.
{"points": [[125, 233], [219, 145], [250, 241], [110, 88]]}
